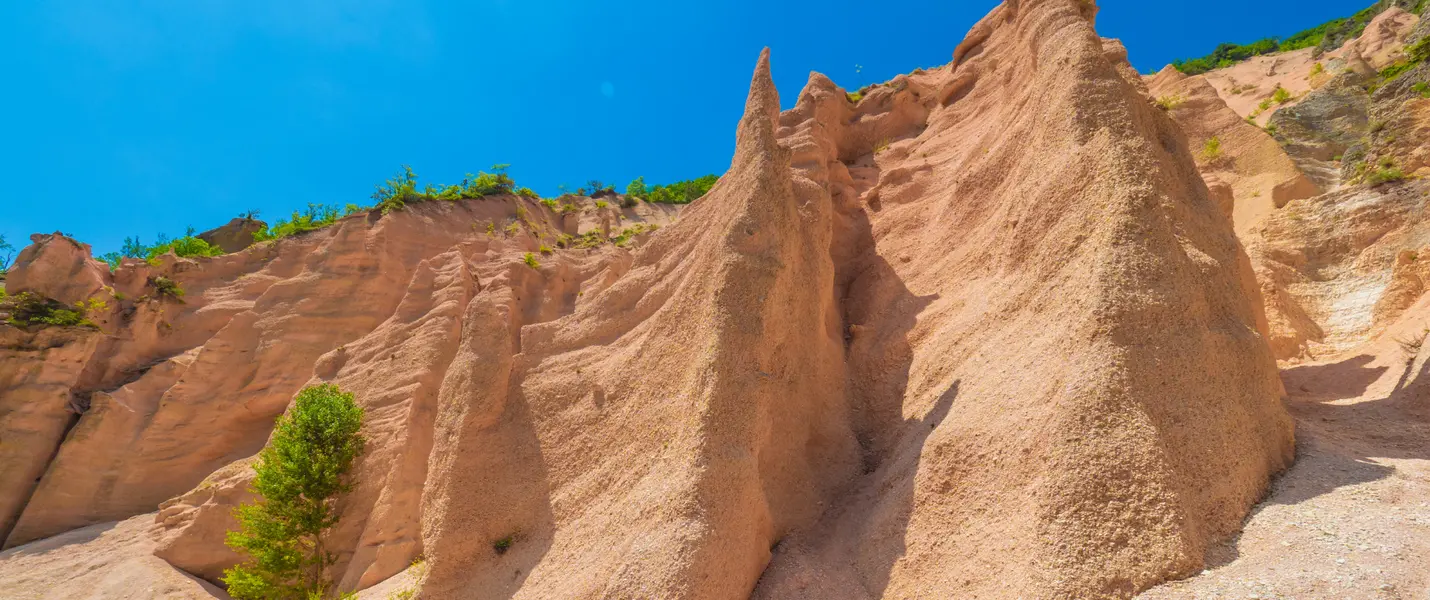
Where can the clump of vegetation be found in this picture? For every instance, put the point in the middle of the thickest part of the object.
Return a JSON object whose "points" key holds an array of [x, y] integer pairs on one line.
{"points": [[1226, 55], [504, 544], [1422, 88], [1281, 95], [1211, 150], [1386, 173], [163, 286], [299, 476], [595, 186], [1414, 55], [1326, 36], [854, 97], [399, 191], [601, 204], [680, 192], [31, 310], [530, 260], [7, 256], [184, 247], [1317, 69], [549, 203], [544, 249], [1169, 103], [316, 216]]}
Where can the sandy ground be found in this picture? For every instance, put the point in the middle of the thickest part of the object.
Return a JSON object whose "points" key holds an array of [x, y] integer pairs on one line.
{"points": [[109, 561], [1351, 519]]}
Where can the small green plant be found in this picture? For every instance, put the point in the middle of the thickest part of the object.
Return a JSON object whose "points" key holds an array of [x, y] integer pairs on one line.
{"points": [[549, 203], [299, 476], [854, 97], [530, 260], [512, 229], [1281, 95], [1211, 150], [504, 544], [601, 204], [1169, 103], [544, 249], [163, 286], [1271, 128], [1377, 126], [1422, 88], [491, 228], [1317, 69], [1387, 172]]}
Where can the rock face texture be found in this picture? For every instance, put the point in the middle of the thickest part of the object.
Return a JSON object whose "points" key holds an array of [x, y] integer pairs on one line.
{"points": [[234, 236], [1231, 151], [985, 333]]}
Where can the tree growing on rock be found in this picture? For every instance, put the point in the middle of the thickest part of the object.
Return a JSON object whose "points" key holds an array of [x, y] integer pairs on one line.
{"points": [[300, 474]]}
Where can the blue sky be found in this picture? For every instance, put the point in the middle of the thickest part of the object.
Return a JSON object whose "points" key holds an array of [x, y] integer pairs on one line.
{"points": [[148, 116]]}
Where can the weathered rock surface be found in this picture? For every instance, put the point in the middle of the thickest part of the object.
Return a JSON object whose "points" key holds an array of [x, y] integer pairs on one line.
{"points": [[234, 235], [1261, 176], [984, 333]]}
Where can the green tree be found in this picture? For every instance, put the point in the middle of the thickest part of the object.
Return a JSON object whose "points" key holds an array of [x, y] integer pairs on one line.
{"points": [[300, 474], [7, 253]]}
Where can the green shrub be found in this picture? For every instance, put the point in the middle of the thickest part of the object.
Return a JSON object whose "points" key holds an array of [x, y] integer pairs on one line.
{"points": [[1421, 88], [186, 246], [298, 478], [1169, 103], [1211, 150], [854, 97], [1226, 55], [163, 286], [549, 203], [530, 260], [680, 192], [1281, 95], [1383, 175], [544, 249], [399, 191], [1330, 33], [316, 216], [601, 204], [31, 310]]}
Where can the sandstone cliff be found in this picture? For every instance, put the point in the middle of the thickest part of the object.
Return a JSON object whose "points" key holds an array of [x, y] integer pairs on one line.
{"points": [[988, 331]]}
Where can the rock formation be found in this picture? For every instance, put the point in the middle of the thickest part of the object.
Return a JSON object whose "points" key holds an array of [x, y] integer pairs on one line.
{"points": [[235, 235], [990, 330]]}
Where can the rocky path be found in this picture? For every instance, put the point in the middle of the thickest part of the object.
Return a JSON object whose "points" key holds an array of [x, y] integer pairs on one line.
{"points": [[1351, 519]]}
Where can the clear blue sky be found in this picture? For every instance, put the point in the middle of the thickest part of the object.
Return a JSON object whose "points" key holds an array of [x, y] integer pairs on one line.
{"points": [[147, 116]]}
